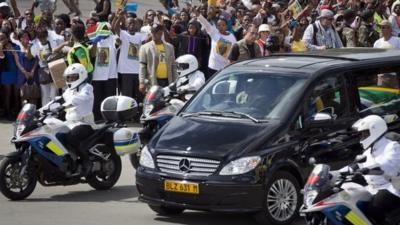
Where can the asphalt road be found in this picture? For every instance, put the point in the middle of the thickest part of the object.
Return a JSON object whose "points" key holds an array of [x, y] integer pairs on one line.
{"points": [[80, 204]]}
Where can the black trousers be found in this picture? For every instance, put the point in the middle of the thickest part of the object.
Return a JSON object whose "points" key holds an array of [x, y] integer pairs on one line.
{"points": [[75, 137], [162, 82], [129, 86], [381, 204], [101, 90]]}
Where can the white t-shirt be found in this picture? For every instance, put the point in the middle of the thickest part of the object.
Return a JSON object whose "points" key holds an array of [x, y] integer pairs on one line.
{"points": [[43, 51], [393, 42], [221, 46], [106, 59], [129, 53]]}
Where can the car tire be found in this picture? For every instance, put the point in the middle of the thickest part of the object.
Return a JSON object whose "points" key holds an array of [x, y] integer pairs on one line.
{"points": [[275, 211], [166, 210]]}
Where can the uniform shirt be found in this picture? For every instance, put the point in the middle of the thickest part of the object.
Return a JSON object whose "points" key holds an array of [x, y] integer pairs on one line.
{"points": [[106, 60], [196, 81], [82, 101], [385, 154], [128, 58]]}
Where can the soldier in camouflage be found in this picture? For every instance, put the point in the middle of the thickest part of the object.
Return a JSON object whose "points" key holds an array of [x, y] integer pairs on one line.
{"points": [[349, 34], [367, 35]]}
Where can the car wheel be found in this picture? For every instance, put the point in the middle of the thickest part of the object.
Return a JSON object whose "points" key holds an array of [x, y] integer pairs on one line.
{"points": [[282, 200], [166, 210]]}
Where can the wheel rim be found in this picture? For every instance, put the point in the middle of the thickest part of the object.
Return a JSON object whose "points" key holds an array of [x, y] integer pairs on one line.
{"points": [[282, 200], [107, 171], [13, 180]]}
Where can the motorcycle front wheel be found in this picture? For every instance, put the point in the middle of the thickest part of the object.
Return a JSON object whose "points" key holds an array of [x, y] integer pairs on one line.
{"points": [[13, 184], [109, 174]]}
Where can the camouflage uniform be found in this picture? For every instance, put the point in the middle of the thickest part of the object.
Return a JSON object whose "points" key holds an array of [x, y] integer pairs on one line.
{"points": [[349, 37], [367, 35]]}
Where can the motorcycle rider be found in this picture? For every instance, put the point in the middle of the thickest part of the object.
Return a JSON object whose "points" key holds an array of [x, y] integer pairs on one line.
{"points": [[188, 69], [384, 153], [79, 110]]}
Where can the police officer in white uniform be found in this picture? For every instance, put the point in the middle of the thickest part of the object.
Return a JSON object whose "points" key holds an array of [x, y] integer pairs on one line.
{"points": [[190, 78], [79, 110], [385, 154]]}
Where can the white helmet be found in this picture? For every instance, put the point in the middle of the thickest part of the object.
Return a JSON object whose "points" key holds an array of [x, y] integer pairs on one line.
{"points": [[75, 75], [372, 128], [186, 64]]}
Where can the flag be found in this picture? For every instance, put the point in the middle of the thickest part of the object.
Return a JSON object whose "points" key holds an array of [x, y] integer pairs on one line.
{"points": [[131, 7], [98, 32]]}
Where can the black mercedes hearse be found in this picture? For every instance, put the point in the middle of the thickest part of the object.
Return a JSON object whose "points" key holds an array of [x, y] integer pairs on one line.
{"points": [[243, 142]]}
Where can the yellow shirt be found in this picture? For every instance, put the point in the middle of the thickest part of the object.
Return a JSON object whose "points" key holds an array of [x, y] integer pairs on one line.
{"points": [[161, 72], [299, 46]]}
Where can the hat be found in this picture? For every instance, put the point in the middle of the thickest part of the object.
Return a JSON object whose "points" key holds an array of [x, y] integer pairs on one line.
{"points": [[384, 23], [326, 13], [3, 4], [264, 27]]}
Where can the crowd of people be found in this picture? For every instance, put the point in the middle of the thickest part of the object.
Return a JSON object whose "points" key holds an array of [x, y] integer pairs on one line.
{"points": [[135, 52]]}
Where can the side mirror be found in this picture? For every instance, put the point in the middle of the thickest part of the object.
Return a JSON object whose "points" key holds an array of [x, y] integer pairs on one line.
{"points": [[312, 161], [320, 120]]}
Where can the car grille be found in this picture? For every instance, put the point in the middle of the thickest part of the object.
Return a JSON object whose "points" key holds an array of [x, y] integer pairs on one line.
{"points": [[187, 165]]}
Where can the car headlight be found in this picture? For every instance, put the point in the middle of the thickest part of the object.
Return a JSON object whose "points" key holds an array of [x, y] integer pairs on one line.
{"points": [[240, 166], [146, 160], [309, 197]]}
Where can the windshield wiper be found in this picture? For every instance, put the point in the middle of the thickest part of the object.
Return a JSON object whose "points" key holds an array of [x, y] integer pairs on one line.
{"points": [[223, 114], [243, 115]]}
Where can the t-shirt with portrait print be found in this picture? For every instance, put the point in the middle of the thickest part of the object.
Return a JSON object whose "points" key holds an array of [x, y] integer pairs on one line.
{"points": [[128, 62]]}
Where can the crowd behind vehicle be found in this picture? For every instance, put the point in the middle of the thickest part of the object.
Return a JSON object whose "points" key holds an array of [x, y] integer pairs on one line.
{"points": [[135, 53]]}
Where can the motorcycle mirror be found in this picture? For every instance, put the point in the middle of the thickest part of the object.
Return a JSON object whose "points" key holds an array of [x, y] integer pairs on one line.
{"points": [[360, 158], [312, 161]]}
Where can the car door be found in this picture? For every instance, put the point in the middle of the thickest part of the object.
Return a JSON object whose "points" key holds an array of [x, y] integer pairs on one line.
{"points": [[330, 142]]}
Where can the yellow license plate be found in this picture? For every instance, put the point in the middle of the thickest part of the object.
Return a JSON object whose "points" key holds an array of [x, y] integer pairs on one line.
{"points": [[181, 186]]}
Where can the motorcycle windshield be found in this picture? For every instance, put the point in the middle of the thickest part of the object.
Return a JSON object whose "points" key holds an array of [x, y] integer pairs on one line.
{"points": [[319, 178], [26, 115], [154, 100]]}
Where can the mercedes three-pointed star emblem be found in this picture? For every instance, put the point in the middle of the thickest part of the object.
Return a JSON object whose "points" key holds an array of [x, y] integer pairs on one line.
{"points": [[184, 165]]}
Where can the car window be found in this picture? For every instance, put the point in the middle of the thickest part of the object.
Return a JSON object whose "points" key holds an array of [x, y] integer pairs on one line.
{"points": [[328, 96], [378, 90], [262, 96]]}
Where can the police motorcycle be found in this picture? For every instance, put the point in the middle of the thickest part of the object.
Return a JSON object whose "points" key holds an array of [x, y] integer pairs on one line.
{"points": [[161, 104], [41, 151], [342, 197]]}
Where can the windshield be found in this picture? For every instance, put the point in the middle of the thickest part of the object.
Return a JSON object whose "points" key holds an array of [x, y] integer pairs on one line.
{"points": [[259, 96]]}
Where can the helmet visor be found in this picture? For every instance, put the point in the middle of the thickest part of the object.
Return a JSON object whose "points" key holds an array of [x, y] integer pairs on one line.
{"points": [[364, 135], [72, 77], [182, 66]]}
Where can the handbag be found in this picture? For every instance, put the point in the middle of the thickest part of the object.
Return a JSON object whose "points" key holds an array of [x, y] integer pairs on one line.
{"points": [[44, 76], [30, 91]]}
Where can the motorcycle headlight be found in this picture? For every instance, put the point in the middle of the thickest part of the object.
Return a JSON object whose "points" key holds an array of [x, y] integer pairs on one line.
{"points": [[240, 166], [147, 109], [146, 160], [309, 197]]}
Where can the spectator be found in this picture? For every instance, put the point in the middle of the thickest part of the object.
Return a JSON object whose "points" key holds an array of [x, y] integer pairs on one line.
{"points": [[9, 75], [105, 71], [221, 44], [246, 48], [349, 34], [128, 63], [298, 45], [103, 9], [388, 40], [394, 19], [321, 34], [79, 53], [263, 33], [156, 60], [26, 20], [193, 42], [27, 64], [367, 35]]}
